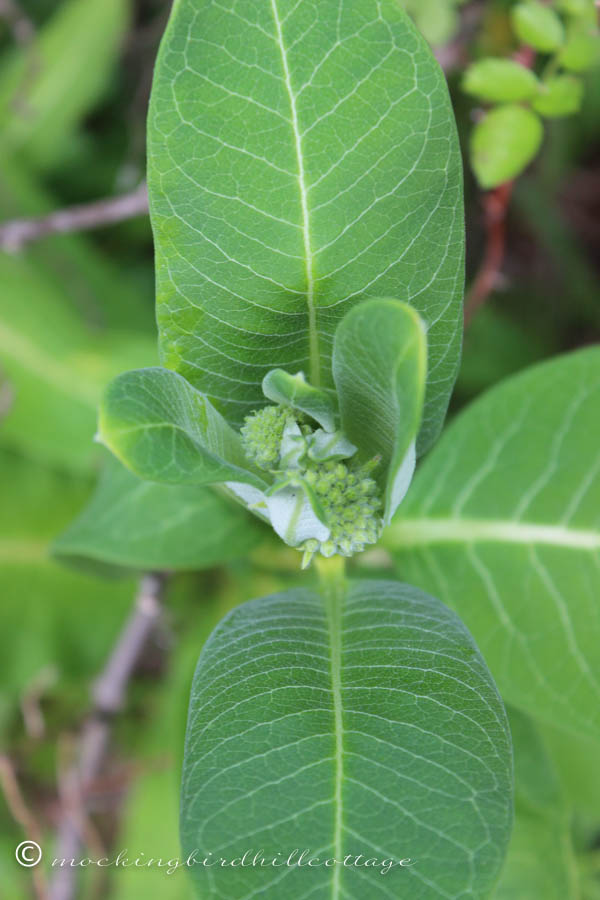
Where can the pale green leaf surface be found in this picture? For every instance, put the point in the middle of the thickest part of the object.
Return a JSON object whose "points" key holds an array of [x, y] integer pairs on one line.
{"points": [[142, 525], [46, 609], [302, 156], [57, 364], [537, 25], [364, 722], [582, 49], [576, 762], [502, 521], [42, 101], [541, 861], [165, 430], [503, 143], [379, 367], [560, 96], [500, 81]]}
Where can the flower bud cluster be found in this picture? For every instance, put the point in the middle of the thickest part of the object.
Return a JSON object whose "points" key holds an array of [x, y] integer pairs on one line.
{"points": [[340, 494], [351, 506], [262, 433]]}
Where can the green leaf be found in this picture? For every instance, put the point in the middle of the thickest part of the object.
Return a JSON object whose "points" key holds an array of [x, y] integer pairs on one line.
{"points": [[140, 525], [541, 860], [575, 7], [503, 522], [538, 26], [57, 363], [500, 81], [46, 89], [164, 430], [293, 390], [503, 143], [359, 722], [576, 762], [379, 367], [301, 158], [559, 96], [47, 610], [582, 49], [437, 20]]}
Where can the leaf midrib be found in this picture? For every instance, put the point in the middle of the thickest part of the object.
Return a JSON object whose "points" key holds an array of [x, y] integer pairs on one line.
{"points": [[313, 334], [333, 595], [408, 532]]}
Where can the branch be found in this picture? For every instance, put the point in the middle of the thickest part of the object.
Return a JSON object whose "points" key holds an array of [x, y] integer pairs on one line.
{"points": [[495, 207], [16, 234], [21, 813], [108, 697]]}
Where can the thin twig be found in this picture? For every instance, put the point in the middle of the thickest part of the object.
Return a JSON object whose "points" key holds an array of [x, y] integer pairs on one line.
{"points": [[16, 234], [108, 697], [21, 813], [495, 207]]}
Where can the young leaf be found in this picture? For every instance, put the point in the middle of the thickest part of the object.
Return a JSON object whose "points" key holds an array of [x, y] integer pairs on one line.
{"points": [[362, 722], [136, 524], [503, 522], [379, 368], [164, 430], [503, 143], [294, 390], [500, 81], [538, 26], [302, 156], [541, 860], [582, 49], [559, 96]]}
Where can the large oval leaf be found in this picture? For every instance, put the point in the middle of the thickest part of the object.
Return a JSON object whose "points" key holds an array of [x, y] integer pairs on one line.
{"points": [[360, 722], [135, 524], [503, 522], [302, 156]]}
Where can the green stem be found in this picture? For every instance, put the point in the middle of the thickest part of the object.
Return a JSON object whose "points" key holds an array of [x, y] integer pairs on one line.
{"points": [[331, 573]]}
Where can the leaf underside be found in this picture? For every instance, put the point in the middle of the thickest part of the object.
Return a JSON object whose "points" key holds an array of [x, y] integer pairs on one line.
{"points": [[302, 156], [137, 524], [502, 521], [362, 722]]}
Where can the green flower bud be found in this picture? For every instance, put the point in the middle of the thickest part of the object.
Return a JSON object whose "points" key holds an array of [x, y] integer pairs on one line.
{"points": [[262, 433]]}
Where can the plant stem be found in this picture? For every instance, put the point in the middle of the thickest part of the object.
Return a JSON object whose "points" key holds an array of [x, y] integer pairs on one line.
{"points": [[16, 234], [332, 572]]}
